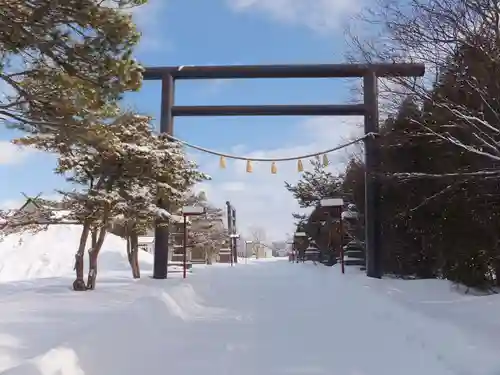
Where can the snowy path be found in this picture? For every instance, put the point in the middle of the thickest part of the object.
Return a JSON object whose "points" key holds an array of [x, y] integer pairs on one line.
{"points": [[265, 318]]}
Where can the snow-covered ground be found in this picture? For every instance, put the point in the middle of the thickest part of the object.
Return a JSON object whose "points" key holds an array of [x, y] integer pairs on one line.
{"points": [[265, 317]]}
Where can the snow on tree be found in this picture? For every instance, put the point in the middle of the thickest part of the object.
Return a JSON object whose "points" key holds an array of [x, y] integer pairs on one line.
{"points": [[299, 220], [207, 231], [315, 185], [44, 213], [121, 169], [162, 171], [308, 191], [457, 40]]}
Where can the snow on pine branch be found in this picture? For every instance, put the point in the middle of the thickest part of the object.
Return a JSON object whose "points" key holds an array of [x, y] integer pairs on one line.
{"points": [[206, 231], [315, 185], [121, 168], [480, 174], [485, 134], [458, 43], [16, 221]]}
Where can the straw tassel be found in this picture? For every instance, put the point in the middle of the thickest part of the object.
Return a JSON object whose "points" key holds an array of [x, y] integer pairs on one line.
{"points": [[300, 166], [222, 162], [249, 166], [274, 169], [325, 160]]}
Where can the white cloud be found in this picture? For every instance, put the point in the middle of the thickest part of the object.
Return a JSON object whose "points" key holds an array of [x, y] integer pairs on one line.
{"points": [[233, 186], [11, 154], [319, 15], [260, 198]]}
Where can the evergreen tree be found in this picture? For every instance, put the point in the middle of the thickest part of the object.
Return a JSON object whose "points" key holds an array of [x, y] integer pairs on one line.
{"points": [[315, 185], [353, 183], [206, 232], [120, 169], [445, 224], [64, 62]]}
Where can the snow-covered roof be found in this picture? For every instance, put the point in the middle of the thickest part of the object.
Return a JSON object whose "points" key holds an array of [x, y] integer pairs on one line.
{"points": [[167, 215], [60, 214], [177, 218], [146, 239], [350, 215]]}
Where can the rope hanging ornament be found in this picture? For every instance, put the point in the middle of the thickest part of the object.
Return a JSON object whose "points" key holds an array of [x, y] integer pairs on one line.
{"points": [[300, 166], [274, 169], [222, 162], [321, 157]]}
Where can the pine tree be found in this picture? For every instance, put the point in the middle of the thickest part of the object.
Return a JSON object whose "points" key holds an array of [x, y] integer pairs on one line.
{"points": [[315, 185], [64, 62], [300, 219], [353, 182], [404, 149], [453, 208], [463, 113], [308, 191], [206, 231], [121, 168]]}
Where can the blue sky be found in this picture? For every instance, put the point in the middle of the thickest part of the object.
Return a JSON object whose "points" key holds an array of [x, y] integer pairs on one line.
{"points": [[196, 32]]}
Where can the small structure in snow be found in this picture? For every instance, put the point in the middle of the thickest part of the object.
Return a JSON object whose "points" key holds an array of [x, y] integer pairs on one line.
{"points": [[146, 243], [34, 210], [30, 206], [225, 255]]}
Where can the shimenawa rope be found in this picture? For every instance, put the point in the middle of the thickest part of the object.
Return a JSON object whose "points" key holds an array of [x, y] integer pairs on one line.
{"points": [[246, 158]]}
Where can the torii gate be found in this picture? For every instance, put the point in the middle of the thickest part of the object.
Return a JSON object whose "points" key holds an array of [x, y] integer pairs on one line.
{"points": [[369, 109]]}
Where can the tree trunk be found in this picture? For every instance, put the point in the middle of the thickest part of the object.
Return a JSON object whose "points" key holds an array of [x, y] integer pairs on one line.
{"points": [[79, 283], [93, 256], [208, 256], [134, 255], [496, 261], [129, 249], [94, 237]]}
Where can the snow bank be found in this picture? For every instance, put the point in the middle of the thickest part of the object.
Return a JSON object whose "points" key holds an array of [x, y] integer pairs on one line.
{"points": [[444, 301], [272, 318], [51, 253], [57, 332], [265, 317]]}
